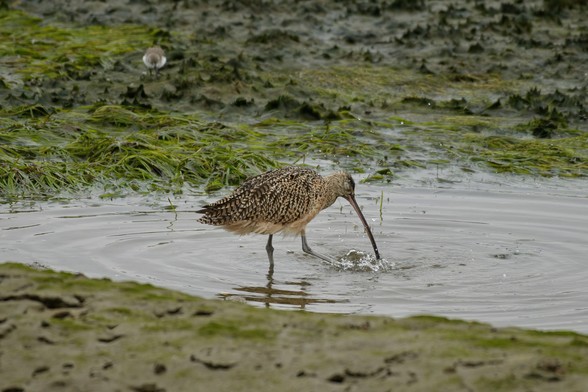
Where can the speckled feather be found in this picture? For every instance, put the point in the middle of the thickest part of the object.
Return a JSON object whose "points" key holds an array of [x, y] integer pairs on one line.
{"points": [[279, 200]]}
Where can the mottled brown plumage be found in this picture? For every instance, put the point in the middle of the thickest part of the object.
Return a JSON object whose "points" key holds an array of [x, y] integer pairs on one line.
{"points": [[282, 200]]}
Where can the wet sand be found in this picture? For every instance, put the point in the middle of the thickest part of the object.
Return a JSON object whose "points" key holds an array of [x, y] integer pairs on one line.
{"points": [[65, 332], [314, 59]]}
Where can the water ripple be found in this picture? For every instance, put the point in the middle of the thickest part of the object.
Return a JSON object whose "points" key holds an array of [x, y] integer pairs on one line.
{"points": [[507, 256]]}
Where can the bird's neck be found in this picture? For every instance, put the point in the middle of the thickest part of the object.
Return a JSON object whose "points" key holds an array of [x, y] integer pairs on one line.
{"points": [[329, 192]]}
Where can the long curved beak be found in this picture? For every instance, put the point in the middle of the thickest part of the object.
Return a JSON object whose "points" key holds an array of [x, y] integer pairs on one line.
{"points": [[351, 200]]}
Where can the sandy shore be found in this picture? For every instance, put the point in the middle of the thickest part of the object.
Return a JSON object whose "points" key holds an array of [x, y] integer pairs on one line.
{"points": [[65, 332]]}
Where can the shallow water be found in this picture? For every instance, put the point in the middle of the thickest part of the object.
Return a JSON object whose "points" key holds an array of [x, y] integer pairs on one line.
{"points": [[503, 254]]}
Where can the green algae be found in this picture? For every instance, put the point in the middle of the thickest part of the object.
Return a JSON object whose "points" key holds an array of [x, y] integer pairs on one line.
{"points": [[125, 147], [71, 325], [47, 51], [565, 157], [68, 151], [496, 144], [118, 331], [150, 150], [78, 117], [235, 330]]}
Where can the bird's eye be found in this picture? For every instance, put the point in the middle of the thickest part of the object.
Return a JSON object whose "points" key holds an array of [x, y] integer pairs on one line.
{"points": [[351, 183]]}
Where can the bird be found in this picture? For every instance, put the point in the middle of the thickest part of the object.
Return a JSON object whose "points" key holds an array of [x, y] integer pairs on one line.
{"points": [[154, 59], [282, 200]]}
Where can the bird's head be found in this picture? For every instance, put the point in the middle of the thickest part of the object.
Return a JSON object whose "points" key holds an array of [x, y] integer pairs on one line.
{"points": [[343, 184]]}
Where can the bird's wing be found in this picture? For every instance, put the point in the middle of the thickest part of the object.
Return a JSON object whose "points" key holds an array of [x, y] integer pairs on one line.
{"points": [[279, 196]]}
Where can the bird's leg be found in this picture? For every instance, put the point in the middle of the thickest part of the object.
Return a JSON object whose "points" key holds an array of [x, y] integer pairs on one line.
{"points": [[270, 251], [306, 249], [270, 283]]}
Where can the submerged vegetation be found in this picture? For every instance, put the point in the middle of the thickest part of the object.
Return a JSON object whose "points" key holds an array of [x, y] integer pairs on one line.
{"points": [[78, 112]]}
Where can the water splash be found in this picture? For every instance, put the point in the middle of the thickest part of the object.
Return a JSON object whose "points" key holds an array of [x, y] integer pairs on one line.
{"points": [[358, 261]]}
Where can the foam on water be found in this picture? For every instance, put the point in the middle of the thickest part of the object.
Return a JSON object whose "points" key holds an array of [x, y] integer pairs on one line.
{"points": [[359, 261]]}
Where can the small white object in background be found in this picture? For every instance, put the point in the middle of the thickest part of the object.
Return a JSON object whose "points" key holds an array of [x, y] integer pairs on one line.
{"points": [[154, 59]]}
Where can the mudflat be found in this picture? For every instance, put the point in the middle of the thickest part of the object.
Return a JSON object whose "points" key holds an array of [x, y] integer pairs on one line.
{"points": [[377, 87], [65, 332]]}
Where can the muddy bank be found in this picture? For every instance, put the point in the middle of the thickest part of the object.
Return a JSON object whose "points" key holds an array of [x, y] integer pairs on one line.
{"points": [[67, 332], [313, 60]]}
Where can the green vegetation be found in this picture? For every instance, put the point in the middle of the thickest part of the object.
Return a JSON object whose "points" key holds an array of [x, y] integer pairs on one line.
{"points": [[42, 51], [181, 343], [236, 330], [116, 148], [482, 144], [145, 150], [78, 116]]}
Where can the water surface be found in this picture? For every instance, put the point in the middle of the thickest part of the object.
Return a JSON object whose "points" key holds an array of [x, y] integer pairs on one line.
{"points": [[503, 254]]}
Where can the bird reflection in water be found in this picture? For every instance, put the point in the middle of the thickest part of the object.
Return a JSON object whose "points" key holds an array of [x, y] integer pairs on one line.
{"points": [[268, 295]]}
